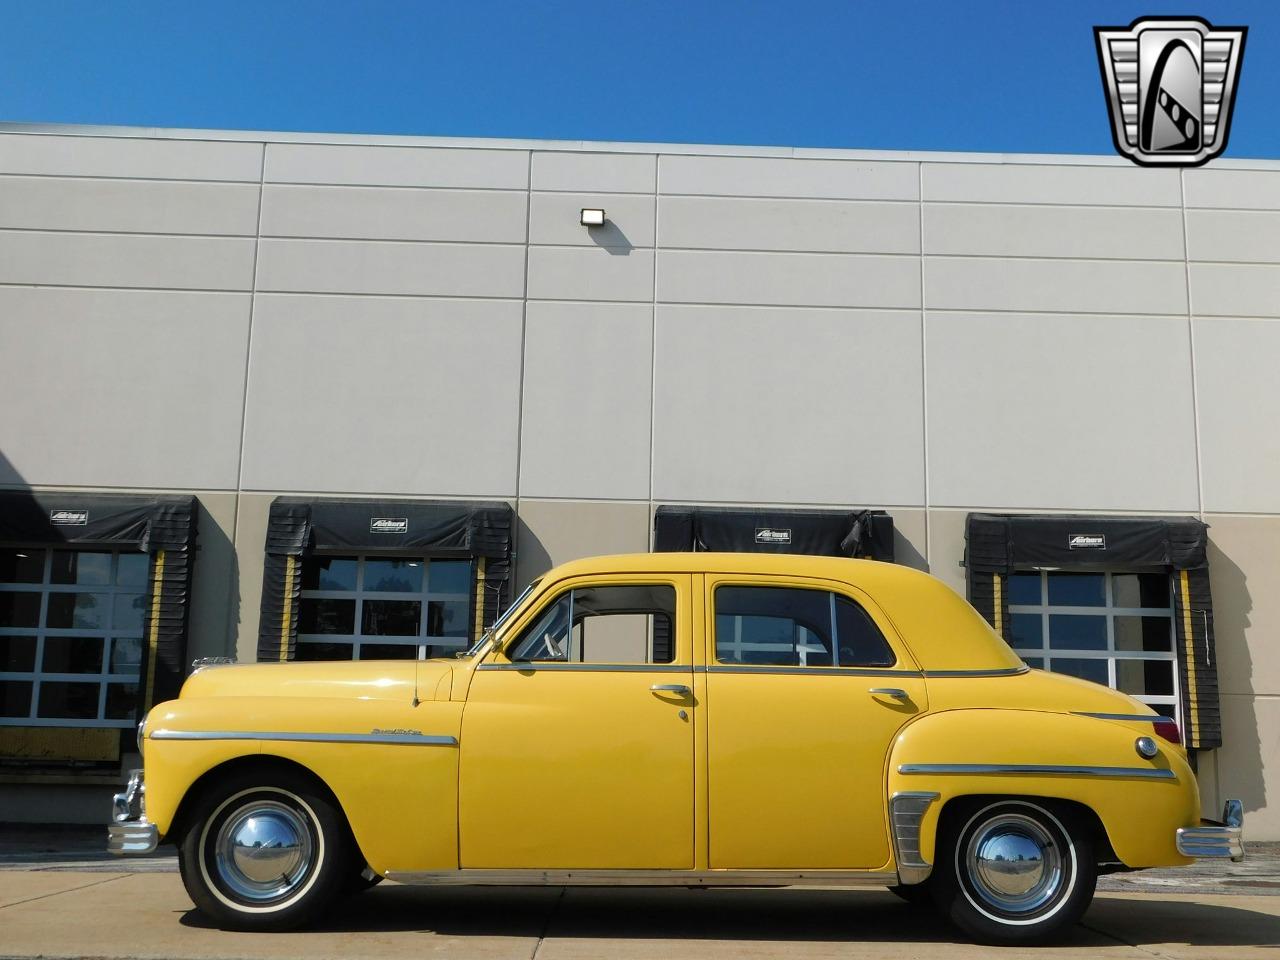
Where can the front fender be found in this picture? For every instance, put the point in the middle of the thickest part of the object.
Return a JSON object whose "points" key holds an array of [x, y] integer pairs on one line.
{"points": [[1139, 813]]}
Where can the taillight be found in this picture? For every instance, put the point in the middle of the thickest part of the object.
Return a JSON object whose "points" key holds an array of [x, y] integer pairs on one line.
{"points": [[1168, 729]]}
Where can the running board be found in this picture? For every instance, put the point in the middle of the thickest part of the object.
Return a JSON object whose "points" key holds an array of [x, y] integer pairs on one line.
{"points": [[648, 878]]}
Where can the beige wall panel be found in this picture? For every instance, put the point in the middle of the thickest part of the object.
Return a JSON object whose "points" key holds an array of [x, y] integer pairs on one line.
{"points": [[1244, 569], [379, 395], [556, 218], [389, 213], [600, 172], [1244, 236], [1010, 230], [1239, 189], [823, 226], [552, 532], [158, 377], [1009, 423], [1248, 762], [386, 166], [1118, 184], [774, 406], [129, 157], [909, 538], [587, 384], [946, 548], [590, 273], [409, 269], [214, 592], [1086, 286], [1239, 407], [788, 279], [253, 512], [118, 260], [1235, 290], [130, 206], [788, 177]]}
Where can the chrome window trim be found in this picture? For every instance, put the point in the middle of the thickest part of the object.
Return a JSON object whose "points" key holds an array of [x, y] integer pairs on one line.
{"points": [[411, 739], [526, 666], [1039, 769], [808, 671], [1000, 672], [647, 878], [1135, 717]]}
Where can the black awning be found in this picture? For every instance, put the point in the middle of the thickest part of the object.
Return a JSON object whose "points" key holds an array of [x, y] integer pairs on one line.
{"points": [[139, 521], [442, 527], [999, 543], [828, 533]]}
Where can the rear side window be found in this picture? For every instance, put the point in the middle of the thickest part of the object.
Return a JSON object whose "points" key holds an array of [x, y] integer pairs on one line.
{"points": [[791, 627]]}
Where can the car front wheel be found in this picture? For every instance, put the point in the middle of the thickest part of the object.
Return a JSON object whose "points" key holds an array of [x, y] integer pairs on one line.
{"points": [[1014, 871], [264, 850]]}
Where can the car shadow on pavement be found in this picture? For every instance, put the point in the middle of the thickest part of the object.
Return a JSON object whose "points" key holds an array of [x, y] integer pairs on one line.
{"points": [[749, 915]]}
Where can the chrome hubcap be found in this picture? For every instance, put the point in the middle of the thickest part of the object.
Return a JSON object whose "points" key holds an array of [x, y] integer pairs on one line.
{"points": [[1014, 864], [263, 851]]}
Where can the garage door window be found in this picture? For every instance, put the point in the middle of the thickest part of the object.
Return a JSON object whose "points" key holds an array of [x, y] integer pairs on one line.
{"points": [[1112, 628], [378, 607], [71, 628]]}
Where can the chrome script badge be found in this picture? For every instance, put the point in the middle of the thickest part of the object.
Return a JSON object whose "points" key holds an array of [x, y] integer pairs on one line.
{"points": [[1170, 84]]}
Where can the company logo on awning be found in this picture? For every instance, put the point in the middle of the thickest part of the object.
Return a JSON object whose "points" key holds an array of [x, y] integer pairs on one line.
{"points": [[69, 518], [389, 525], [773, 535], [1087, 541]]}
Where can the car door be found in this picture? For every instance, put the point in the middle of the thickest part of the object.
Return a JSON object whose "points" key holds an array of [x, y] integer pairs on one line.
{"points": [[577, 739], [807, 686]]}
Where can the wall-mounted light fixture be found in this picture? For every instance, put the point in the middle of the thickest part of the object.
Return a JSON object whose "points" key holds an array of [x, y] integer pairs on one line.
{"points": [[592, 217]]}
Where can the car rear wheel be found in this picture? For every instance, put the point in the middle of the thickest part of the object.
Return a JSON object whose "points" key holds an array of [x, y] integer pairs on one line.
{"points": [[264, 850], [1014, 871]]}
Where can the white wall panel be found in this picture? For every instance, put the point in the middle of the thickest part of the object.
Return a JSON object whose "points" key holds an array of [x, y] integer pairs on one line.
{"points": [[1091, 286], [556, 218], [160, 159], [1243, 236], [1029, 412], [590, 273], [824, 226], [121, 387], [587, 383], [1235, 290], [374, 395], [1241, 189], [386, 166], [788, 177], [1120, 184], [1009, 230], [594, 172], [122, 260], [788, 406]]}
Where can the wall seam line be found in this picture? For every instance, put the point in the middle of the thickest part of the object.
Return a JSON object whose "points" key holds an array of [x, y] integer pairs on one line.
{"points": [[924, 368], [524, 328], [1191, 343], [653, 348]]}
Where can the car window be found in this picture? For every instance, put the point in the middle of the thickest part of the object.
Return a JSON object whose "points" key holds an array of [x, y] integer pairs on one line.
{"points": [[793, 627], [606, 624]]}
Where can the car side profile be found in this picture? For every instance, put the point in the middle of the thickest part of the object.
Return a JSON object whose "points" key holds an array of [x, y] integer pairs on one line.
{"points": [[690, 719]]}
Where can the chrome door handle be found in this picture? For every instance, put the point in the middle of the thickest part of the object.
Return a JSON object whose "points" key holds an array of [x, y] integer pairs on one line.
{"points": [[893, 693], [679, 688]]}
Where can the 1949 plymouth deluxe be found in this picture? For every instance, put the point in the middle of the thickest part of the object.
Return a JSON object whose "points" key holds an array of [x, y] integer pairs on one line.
{"points": [[692, 719]]}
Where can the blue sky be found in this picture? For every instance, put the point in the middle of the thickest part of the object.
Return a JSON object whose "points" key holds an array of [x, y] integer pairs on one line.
{"points": [[985, 76]]}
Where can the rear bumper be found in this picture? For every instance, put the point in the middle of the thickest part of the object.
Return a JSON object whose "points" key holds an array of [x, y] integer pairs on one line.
{"points": [[130, 833], [1211, 839]]}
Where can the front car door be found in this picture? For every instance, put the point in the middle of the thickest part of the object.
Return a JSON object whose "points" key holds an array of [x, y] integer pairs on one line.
{"points": [[807, 685], [577, 738]]}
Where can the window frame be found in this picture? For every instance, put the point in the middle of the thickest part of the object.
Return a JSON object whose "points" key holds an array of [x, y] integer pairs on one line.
{"points": [[104, 677], [901, 658], [357, 639], [1046, 653], [521, 635]]}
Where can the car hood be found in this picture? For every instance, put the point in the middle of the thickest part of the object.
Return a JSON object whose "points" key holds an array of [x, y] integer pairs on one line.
{"points": [[397, 680]]}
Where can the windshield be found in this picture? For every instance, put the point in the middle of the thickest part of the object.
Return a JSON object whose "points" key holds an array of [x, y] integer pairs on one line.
{"points": [[506, 615]]}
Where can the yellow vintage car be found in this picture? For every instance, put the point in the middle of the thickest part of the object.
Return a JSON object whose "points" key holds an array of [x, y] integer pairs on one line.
{"points": [[693, 719]]}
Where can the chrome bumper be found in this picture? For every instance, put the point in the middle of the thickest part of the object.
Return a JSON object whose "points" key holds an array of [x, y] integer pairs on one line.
{"points": [[130, 833], [1219, 840]]}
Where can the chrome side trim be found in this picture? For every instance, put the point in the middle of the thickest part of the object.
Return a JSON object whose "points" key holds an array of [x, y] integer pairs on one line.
{"points": [[411, 739], [1216, 840], [808, 671], [1002, 672], [906, 812], [1039, 769], [1135, 717], [533, 666], [648, 878]]}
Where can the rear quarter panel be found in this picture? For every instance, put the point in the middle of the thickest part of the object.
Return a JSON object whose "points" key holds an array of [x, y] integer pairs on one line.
{"points": [[1140, 816]]}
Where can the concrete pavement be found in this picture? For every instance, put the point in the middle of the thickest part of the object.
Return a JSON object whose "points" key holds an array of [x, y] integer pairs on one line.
{"points": [[64, 913]]}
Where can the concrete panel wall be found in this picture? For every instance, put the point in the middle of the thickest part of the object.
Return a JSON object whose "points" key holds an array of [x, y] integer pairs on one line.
{"points": [[927, 335]]}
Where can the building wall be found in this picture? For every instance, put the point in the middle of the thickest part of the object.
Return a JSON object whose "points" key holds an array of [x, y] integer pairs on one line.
{"points": [[242, 316]]}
